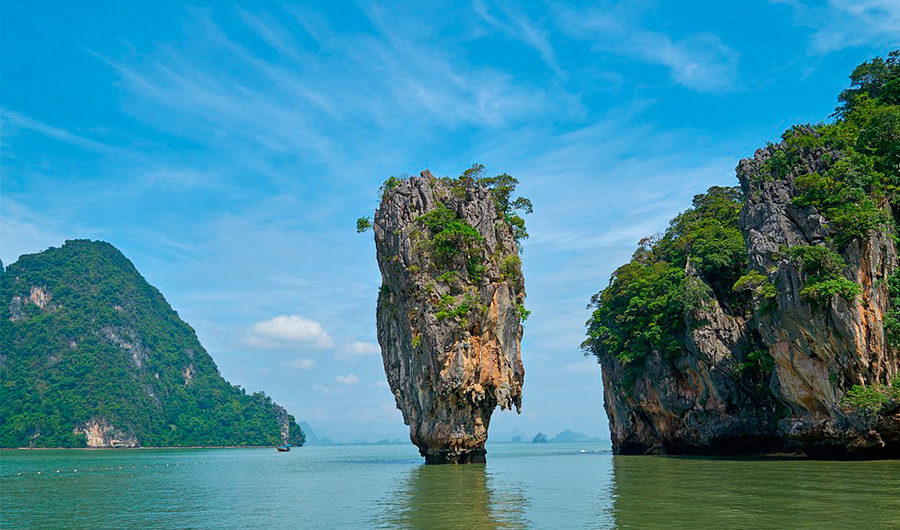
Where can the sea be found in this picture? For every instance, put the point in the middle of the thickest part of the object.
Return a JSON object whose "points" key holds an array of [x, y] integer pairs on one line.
{"points": [[523, 485]]}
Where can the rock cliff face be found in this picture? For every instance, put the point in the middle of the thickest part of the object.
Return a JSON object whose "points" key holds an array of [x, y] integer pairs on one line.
{"points": [[449, 312], [767, 319], [696, 404], [820, 350], [99, 433], [809, 353]]}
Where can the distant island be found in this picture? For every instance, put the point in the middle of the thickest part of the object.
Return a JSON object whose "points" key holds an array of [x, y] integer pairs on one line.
{"points": [[311, 437], [94, 356], [767, 316]]}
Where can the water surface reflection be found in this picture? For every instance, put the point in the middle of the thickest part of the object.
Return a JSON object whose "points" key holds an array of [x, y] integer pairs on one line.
{"points": [[453, 496], [691, 492]]}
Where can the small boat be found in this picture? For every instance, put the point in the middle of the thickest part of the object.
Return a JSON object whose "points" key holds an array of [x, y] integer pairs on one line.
{"points": [[283, 448]]}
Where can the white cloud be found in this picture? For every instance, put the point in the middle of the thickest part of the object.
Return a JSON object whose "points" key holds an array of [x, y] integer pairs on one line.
{"points": [[289, 331], [302, 364], [846, 23], [358, 349], [348, 379]]}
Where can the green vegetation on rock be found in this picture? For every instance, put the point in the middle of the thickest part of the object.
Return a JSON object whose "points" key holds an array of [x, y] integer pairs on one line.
{"points": [[85, 338], [892, 317], [858, 174], [451, 236], [823, 269], [873, 398], [758, 284], [759, 361], [452, 251], [643, 308], [860, 152]]}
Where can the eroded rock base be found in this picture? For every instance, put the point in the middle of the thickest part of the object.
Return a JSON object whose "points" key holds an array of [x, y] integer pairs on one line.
{"points": [[475, 456]]}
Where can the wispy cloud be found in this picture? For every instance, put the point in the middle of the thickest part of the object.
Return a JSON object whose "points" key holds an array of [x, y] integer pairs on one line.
{"points": [[24, 230], [516, 25], [17, 120], [840, 24], [289, 331], [226, 94], [699, 61]]}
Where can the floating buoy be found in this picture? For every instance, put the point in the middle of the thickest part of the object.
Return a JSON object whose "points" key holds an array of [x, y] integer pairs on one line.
{"points": [[76, 471]]}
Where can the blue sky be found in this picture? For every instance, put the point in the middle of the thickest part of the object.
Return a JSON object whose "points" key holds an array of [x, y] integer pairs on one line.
{"points": [[227, 150]]}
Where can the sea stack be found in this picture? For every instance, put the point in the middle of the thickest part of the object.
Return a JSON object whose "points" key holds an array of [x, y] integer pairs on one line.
{"points": [[450, 308]]}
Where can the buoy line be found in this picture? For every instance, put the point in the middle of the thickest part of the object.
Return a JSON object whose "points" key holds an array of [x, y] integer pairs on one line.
{"points": [[64, 472]]}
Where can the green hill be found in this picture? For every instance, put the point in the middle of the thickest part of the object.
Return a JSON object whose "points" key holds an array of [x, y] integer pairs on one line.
{"points": [[91, 354]]}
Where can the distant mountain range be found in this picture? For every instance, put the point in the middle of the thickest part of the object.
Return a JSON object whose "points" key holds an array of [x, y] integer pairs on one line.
{"points": [[312, 438], [565, 436]]}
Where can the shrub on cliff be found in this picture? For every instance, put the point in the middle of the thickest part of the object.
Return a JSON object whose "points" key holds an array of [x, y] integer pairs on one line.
{"points": [[874, 398], [823, 271], [451, 235]]}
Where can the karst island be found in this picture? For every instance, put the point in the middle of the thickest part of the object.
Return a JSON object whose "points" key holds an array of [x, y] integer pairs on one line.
{"points": [[451, 305]]}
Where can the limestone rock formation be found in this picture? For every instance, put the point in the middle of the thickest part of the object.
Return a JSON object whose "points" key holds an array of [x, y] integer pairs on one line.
{"points": [[705, 401], [820, 350], [449, 311], [767, 319], [695, 404], [100, 433]]}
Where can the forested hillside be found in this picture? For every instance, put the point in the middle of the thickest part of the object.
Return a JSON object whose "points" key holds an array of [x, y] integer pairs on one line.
{"points": [[91, 354]]}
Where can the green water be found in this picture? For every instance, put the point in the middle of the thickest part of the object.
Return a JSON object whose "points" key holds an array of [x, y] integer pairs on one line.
{"points": [[522, 486]]}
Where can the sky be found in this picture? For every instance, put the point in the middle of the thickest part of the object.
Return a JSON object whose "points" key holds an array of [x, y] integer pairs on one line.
{"points": [[228, 148]]}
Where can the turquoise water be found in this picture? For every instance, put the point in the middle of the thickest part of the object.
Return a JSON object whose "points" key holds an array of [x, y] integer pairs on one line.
{"points": [[522, 486]]}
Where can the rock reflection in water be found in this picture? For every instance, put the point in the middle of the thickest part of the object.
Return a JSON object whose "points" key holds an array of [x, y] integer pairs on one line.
{"points": [[696, 492], [453, 496]]}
